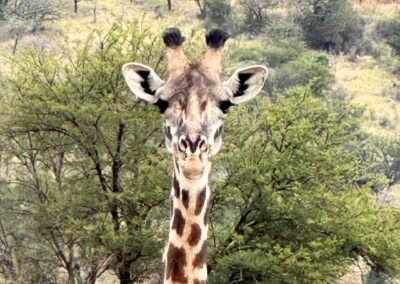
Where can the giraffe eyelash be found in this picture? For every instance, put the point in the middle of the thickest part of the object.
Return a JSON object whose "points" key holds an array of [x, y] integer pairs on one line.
{"points": [[222, 93], [217, 133], [168, 134]]}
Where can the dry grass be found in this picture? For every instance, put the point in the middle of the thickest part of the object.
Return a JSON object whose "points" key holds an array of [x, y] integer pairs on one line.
{"points": [[108, 278], [378, 9], [370, 85], [74, 29]]}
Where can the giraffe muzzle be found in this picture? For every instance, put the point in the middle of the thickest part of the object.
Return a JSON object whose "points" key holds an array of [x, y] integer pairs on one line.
{"points": [[193, 156]]}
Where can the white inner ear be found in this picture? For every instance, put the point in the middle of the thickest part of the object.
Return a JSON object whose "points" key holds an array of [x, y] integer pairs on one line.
{"points": [[255, 83], [134, 80]]}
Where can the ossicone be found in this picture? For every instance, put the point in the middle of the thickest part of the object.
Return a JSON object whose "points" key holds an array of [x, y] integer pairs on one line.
{"points": [[212, 59], [216, 38], [177, 62], [173, 37]]}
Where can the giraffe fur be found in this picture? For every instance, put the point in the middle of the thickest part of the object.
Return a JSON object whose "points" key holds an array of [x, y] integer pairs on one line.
{"points": [[194, 103]]}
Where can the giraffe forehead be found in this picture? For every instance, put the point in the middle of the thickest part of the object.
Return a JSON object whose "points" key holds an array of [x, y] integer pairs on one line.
{"points": [[193, 107], [196, 114], [194, 75], [194, 83]]}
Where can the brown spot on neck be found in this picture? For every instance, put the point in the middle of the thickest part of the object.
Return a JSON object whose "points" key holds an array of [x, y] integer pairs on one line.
{"points": [[201, 198], [176, 262], [200, 258], [178, 222], [177, 189], [195, 235], [185, 198]]}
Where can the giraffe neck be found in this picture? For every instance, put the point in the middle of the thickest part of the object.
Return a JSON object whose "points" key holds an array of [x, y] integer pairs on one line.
{"points": [[186, 248]]}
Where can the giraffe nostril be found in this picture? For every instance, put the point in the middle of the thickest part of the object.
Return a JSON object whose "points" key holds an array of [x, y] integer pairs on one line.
{"points": [[198, 144], [182, 144], [203, 144]]}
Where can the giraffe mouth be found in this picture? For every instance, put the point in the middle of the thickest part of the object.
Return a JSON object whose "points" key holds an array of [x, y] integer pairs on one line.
{"points": [[193, 166]]}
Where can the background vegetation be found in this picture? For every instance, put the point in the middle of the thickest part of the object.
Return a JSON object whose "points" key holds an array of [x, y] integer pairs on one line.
{"points": [[308, 190]]}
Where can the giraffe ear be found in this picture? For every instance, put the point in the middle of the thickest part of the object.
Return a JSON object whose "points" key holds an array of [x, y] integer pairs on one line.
{"points": [[246, 83], [142, 81]]}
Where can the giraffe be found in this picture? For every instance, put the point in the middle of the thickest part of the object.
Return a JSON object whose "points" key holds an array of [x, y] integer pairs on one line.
{"points": [[193, 102]]}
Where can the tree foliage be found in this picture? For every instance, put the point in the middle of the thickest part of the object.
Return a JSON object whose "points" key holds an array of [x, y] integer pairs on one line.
{"points": [[385, 152], [331, 24], [35, 10], [85, 178], [286, 208], [389, 30], [256, 12], [218, 12], [310, 68], [20, 17], [89, 168]]}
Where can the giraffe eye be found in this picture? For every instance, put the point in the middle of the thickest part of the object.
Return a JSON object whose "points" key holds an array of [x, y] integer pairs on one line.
{"points": [[225, 105]]}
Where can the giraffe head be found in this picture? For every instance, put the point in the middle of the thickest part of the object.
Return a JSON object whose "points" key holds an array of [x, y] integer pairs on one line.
{"points": [[193, 100]]}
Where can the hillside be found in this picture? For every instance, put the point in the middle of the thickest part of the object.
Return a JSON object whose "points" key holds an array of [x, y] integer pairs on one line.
{"points": [[307, 181], [368, 81]]}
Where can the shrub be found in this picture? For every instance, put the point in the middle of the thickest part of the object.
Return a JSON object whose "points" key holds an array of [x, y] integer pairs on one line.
{"points": [[389, 30], [311, 68], [218, 11], [248, 54], [385, 154], [277, 56], [283, 53], [255, 12], [281, 27], [332, 25], [386, 122]]}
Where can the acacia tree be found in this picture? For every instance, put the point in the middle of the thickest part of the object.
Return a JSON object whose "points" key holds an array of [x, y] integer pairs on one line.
{"points": [[101, 178], [388, 30], [256, 12], [23, 17], [37, 193], [36, 10], [331, 25], [285, 207]]}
